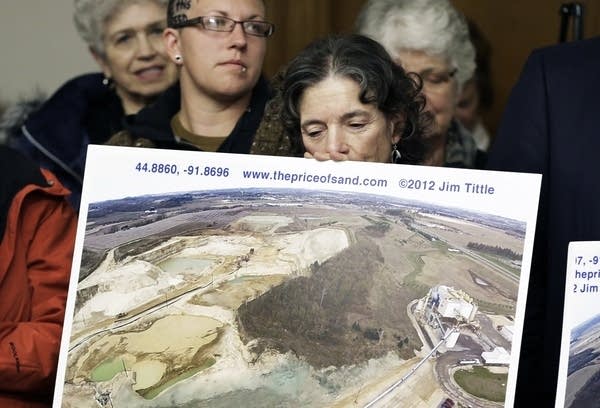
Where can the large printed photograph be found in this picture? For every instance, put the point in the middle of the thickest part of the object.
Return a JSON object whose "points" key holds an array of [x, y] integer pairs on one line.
{"points": [[579, 372], [269, 296]]}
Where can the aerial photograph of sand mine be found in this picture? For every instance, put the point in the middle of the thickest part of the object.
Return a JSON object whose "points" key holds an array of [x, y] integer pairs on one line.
{"points": [[583, 373], [279, 298]]}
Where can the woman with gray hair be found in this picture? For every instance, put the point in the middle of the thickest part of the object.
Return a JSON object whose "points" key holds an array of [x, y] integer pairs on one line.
{"points": [[430, 38], [125, 38]]}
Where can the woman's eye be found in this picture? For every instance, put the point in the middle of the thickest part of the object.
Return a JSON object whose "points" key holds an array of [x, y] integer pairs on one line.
{"points": [[122, 39], [216, 22], [437, 78], [313, 132], [254, 27], [357, 125], [156, 31]]}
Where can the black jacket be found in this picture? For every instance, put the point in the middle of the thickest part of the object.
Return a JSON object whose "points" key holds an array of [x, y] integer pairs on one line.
{"points": [[154, 121], [56, 135], [551, 126]]}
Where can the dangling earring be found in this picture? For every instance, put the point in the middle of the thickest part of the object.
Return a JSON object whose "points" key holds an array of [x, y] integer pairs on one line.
{"points": [[178, 59], [396, 156], [106, 81]]}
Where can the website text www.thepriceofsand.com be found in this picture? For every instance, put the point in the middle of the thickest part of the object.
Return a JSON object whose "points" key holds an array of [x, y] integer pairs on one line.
{"points": [[313, 177]]}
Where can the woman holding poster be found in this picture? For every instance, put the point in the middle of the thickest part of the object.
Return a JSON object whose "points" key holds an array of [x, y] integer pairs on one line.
{"points": [[345, 99]]}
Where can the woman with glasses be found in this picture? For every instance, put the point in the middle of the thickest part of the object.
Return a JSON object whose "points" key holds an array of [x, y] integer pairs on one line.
{"points": [[344, 98], [430, 38], [219, 48], [125, 38]]}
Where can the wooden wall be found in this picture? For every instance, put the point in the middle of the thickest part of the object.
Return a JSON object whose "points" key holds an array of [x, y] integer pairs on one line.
{"points": [[298, 22], [513, 27]]}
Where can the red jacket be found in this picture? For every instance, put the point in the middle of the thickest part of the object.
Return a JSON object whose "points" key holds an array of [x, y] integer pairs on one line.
{"points": [[35, 263]]}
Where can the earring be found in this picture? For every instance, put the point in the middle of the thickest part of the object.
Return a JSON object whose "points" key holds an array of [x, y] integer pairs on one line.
{"points": [[106, 81], [178, 58], [396, 156]]}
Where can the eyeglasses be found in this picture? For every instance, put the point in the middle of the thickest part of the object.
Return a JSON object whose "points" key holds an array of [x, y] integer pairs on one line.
{"points": [[224, 24], [436, 81]]}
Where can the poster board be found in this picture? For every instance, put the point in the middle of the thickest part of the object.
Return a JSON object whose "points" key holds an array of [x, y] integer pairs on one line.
{"points": [[579, 370], [208, 279]]}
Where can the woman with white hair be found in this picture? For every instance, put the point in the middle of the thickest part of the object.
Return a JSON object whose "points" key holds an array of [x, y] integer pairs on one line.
{"points": [[125, 38], [430, 38]]}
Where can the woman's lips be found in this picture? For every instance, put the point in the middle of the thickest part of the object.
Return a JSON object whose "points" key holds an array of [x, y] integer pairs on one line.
{"points": [[150, 74], [235, 64]]}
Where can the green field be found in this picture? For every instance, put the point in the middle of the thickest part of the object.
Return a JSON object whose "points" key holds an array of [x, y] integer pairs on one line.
{"points": [[482, 383]]}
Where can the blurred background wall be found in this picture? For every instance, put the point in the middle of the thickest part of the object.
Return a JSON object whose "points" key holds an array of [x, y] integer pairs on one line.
{"points": [[40, 48]]}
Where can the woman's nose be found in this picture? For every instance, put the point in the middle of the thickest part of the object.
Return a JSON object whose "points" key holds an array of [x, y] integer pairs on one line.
{"points": [[238, 37], [336, 140], [146, 48]]}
